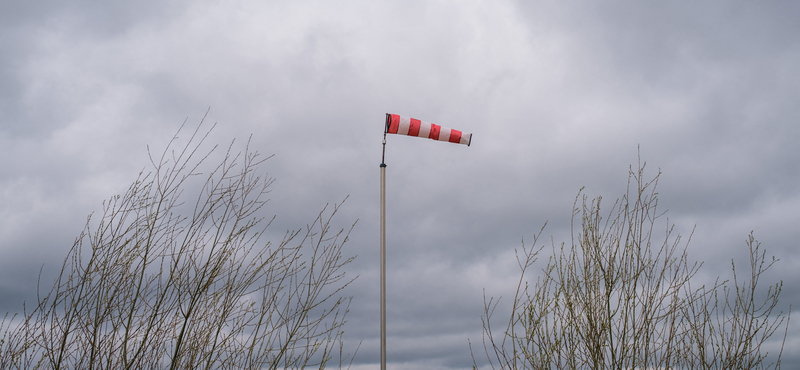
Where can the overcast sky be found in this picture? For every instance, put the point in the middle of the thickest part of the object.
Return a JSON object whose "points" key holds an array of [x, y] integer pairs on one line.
{"points": [[559, 95]]}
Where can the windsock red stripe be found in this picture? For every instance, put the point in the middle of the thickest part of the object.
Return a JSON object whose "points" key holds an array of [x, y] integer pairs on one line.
{"points": [[455, 136], [394, 123], [435, 129], [414, 127]]}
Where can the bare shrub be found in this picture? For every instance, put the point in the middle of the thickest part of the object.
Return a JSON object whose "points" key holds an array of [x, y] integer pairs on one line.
{"points": [[623, 295], [164, 279]]}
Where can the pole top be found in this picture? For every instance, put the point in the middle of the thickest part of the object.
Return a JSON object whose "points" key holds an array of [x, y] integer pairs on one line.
{"points": [[383, 153]]}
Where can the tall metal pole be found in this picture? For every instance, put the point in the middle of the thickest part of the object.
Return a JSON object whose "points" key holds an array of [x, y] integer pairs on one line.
{"points": [[383, 227], [383, 266], [383, 247]]}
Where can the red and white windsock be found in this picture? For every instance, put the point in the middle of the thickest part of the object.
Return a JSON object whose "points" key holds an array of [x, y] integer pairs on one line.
{"points": [[396, 124]]}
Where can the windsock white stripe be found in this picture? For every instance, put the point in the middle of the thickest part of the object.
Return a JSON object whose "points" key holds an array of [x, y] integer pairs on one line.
{"points": [[444, 134], [397, 124], [405, 122], [424, 129], [465, 139]]}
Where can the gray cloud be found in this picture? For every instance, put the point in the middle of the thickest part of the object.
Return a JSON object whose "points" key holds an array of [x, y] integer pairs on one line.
{"points": [[559, 95]]}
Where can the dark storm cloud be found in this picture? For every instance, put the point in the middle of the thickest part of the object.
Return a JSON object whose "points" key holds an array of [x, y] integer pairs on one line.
{"points": [[93, 18], [713, 86], [30, 103], [558, 95]]}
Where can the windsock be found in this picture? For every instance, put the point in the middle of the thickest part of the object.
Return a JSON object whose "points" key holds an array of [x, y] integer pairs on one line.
{"points": [[396, 124]]}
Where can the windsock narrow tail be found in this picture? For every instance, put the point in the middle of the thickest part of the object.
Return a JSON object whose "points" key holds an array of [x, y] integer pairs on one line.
{"points": [[396, 124]]}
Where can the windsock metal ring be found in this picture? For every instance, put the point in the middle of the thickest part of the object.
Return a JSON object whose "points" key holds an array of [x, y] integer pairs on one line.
{"points": [[396, 124]]}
